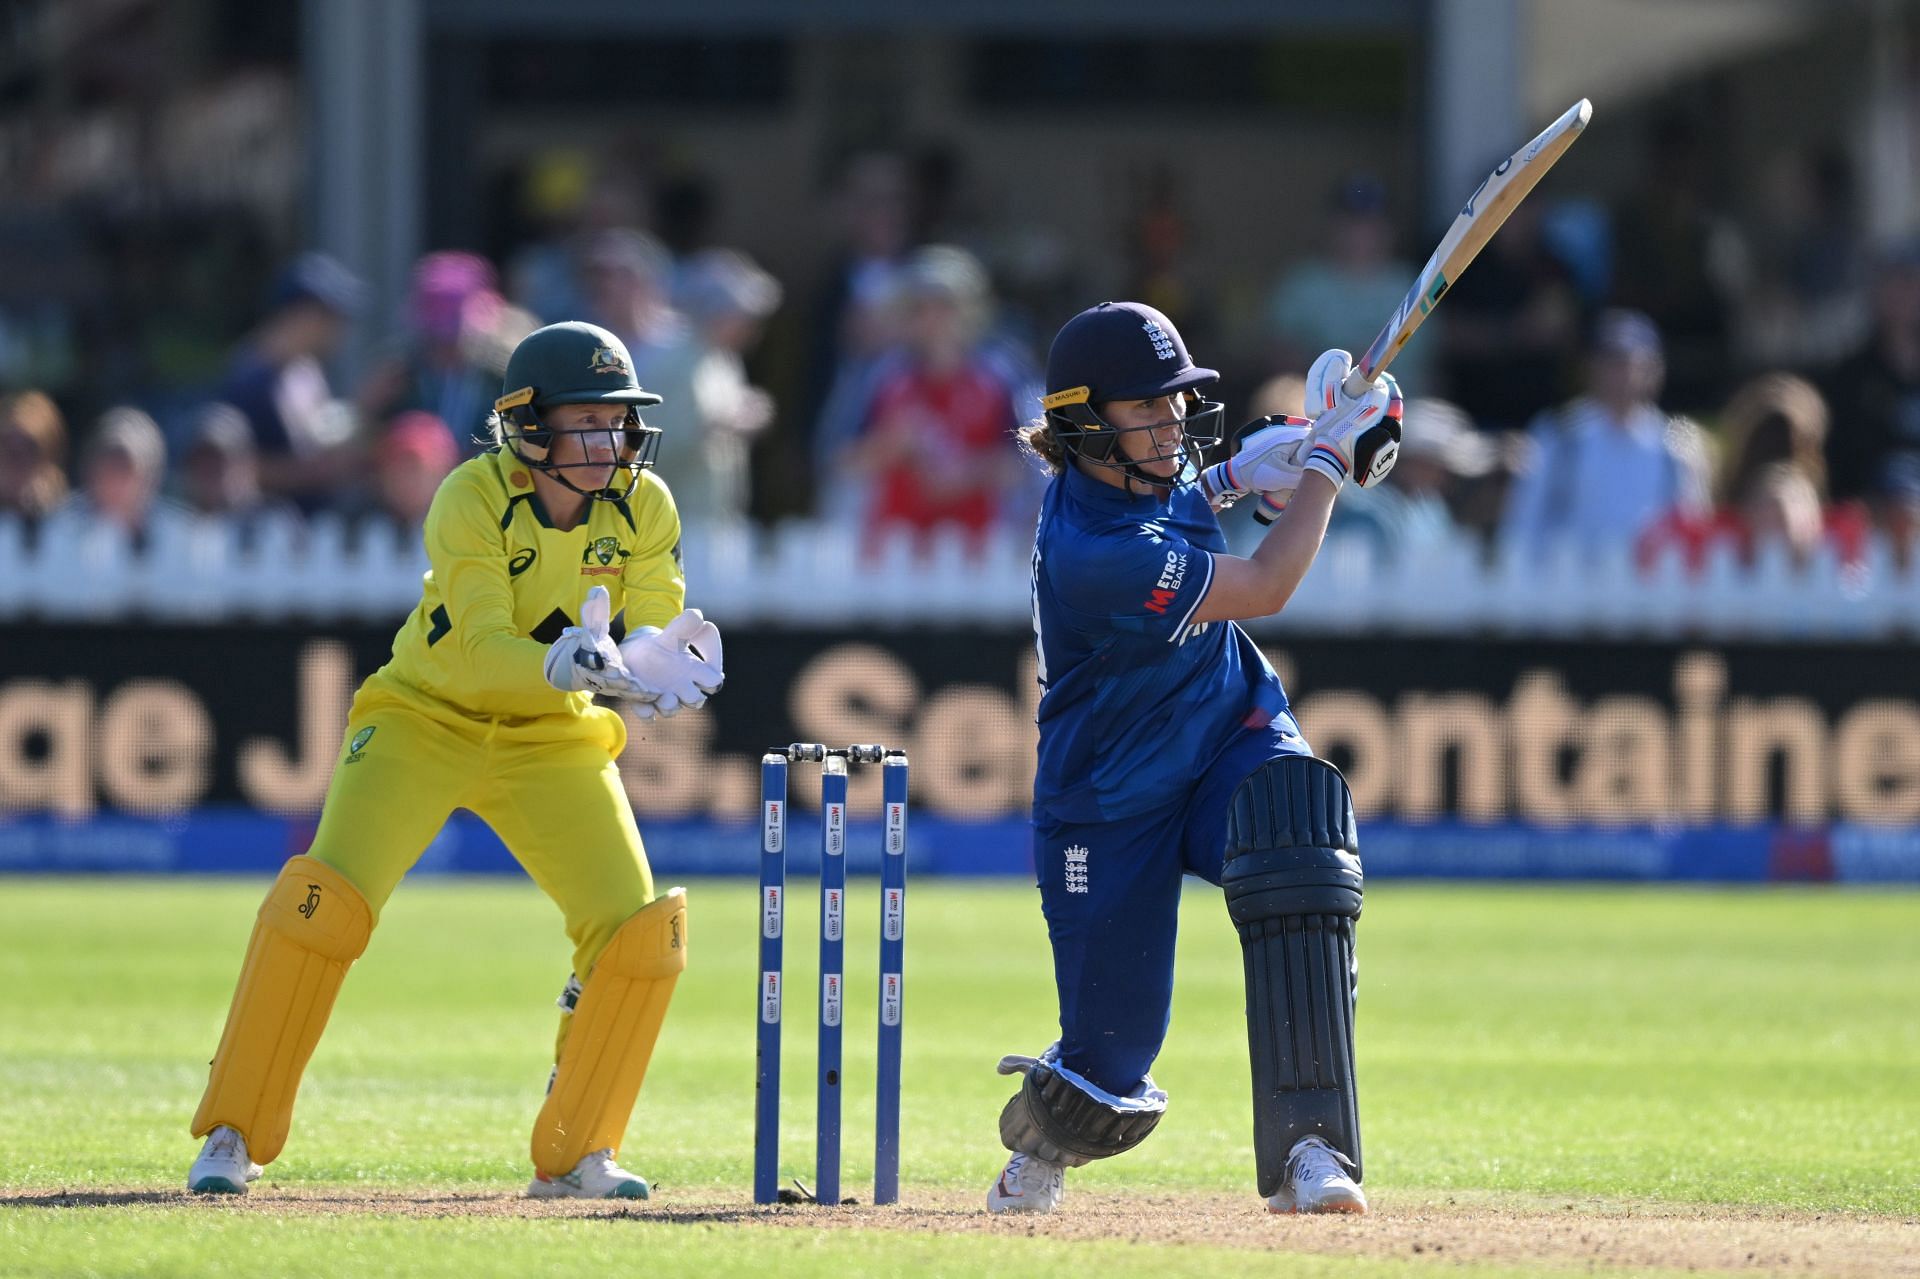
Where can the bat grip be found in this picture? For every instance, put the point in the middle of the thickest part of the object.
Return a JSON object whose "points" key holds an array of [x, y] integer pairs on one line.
{"points": [[1357, 382]]}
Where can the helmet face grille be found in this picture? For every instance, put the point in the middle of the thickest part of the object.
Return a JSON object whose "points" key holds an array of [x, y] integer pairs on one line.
{"points": [[1083, 432], [635, 446]]}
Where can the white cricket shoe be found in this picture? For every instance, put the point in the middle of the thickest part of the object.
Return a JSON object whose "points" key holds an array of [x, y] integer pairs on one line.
{"points": [[224, 1167], [596, 1176], [1317, 1181], [1028, 1184]]}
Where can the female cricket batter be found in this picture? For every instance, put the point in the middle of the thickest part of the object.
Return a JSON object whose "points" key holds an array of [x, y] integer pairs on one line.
{"points": [[545, 551], [1166, 747]]}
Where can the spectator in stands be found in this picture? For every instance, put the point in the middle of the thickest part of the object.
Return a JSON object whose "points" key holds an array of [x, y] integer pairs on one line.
{"points": [[935, 445], [33, 455], [1606, 466], [1160, 271], [1512, 338], [1873, 452], [1772, 484], [450, 357], [849, 319], [563, 196], [1439, 451], [1284, 393], [726, 298], [121, 471], [220, 474], [1681, 261], [278, 379], [1809, 304], [411, 457], [628, 276], [1341, 297]]}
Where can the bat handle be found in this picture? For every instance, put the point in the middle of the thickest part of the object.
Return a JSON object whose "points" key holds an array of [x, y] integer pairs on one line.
{"points": [[1357, 382]]}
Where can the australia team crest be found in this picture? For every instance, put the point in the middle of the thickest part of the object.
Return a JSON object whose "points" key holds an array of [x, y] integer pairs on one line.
{"points": [[608, 360]]}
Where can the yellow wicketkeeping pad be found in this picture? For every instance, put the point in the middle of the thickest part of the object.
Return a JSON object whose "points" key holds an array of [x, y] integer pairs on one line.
{"points": [[311, 928], [611, 1039]]}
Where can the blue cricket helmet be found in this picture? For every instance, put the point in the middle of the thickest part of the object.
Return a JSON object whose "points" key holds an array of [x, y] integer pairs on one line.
{"points": [[1122, 351]]}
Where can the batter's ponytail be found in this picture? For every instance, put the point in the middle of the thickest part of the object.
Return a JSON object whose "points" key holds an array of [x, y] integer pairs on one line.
{"points": [[1038, 441]]}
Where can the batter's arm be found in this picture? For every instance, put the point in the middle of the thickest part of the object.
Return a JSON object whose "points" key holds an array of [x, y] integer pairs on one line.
{"points": [[1262, 583]]}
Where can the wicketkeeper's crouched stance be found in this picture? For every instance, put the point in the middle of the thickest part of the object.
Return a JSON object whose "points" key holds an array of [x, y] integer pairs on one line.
{"points": [[488, 705], [1167, 748]]}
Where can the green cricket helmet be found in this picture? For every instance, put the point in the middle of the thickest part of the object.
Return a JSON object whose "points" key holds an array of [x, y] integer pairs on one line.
{"points": [[575, 363]]}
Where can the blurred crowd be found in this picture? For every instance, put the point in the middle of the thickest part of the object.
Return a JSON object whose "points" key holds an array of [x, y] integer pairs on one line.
{"points": [[1652, 374]]}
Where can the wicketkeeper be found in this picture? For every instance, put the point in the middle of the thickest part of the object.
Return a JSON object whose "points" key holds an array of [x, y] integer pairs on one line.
{"points": [[1167, 748], [555, 577]]}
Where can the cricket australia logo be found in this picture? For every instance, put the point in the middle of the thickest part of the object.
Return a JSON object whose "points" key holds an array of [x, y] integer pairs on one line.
{"points": [[1076, 873], [358, 744], [603, 556], [608, 360], [1162, 344]]}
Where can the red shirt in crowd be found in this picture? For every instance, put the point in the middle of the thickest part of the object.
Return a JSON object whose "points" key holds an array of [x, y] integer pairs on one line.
{"points": [[949, 432], [1845, 527]]}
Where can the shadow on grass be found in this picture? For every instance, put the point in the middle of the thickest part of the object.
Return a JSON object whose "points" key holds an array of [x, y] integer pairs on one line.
{"points": [[95, 1198], [276, 1202]]}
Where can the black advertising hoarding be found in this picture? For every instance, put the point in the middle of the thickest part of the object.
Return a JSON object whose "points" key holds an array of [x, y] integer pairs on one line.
{"points": [[1450, 745]]}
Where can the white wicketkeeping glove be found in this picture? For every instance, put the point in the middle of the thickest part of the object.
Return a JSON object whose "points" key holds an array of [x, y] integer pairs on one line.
{"points": [[681, 665], [1265, 461], [585, 659], [1355, 437]]}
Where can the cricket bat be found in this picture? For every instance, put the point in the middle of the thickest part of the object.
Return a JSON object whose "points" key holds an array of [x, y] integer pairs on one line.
{"points": [[1496, 197]]}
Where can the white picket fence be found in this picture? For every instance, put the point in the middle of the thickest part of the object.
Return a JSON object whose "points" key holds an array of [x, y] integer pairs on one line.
{"points": [[799, 574]]}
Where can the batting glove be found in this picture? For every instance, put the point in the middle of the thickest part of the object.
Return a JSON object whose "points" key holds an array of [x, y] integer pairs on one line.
{"points": [[1266, 460], [585, 659], [681, 665], [1353, 436]]}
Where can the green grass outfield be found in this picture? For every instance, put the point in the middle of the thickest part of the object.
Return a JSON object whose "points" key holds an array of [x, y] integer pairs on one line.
{"points": [[1748, 1054]]}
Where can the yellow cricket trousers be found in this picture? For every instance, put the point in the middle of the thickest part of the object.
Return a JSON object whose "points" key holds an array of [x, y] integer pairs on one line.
{"points": [[549, 788]]}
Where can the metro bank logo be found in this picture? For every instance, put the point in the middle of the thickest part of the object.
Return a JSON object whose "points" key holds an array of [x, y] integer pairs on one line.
{"points": [[1171, 576]]}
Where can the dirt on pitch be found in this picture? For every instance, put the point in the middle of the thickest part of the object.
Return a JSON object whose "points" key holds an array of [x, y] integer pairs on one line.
{"points": [[1593, 1235]]}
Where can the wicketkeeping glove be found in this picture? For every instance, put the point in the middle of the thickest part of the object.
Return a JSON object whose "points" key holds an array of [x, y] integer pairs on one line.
{"points": [[585, 659], [681, 665], [1355, 437], [1266, 459]]}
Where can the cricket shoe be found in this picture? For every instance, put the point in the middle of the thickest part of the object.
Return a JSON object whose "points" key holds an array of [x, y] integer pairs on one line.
{"points": [[1317, 1181], [224, 1167], [1028, 1184], [595, 1177]]}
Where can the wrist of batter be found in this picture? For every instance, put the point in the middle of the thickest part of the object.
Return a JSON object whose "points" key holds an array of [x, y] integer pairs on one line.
{"points": [[1327, 460], [1221, 485]]}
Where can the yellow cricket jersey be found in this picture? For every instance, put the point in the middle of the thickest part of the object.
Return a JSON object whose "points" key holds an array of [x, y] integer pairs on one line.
{"points": [[504, 583]]}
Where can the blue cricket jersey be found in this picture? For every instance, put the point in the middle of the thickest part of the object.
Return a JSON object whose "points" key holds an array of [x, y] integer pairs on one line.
{"points": [[1138, 699]]}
